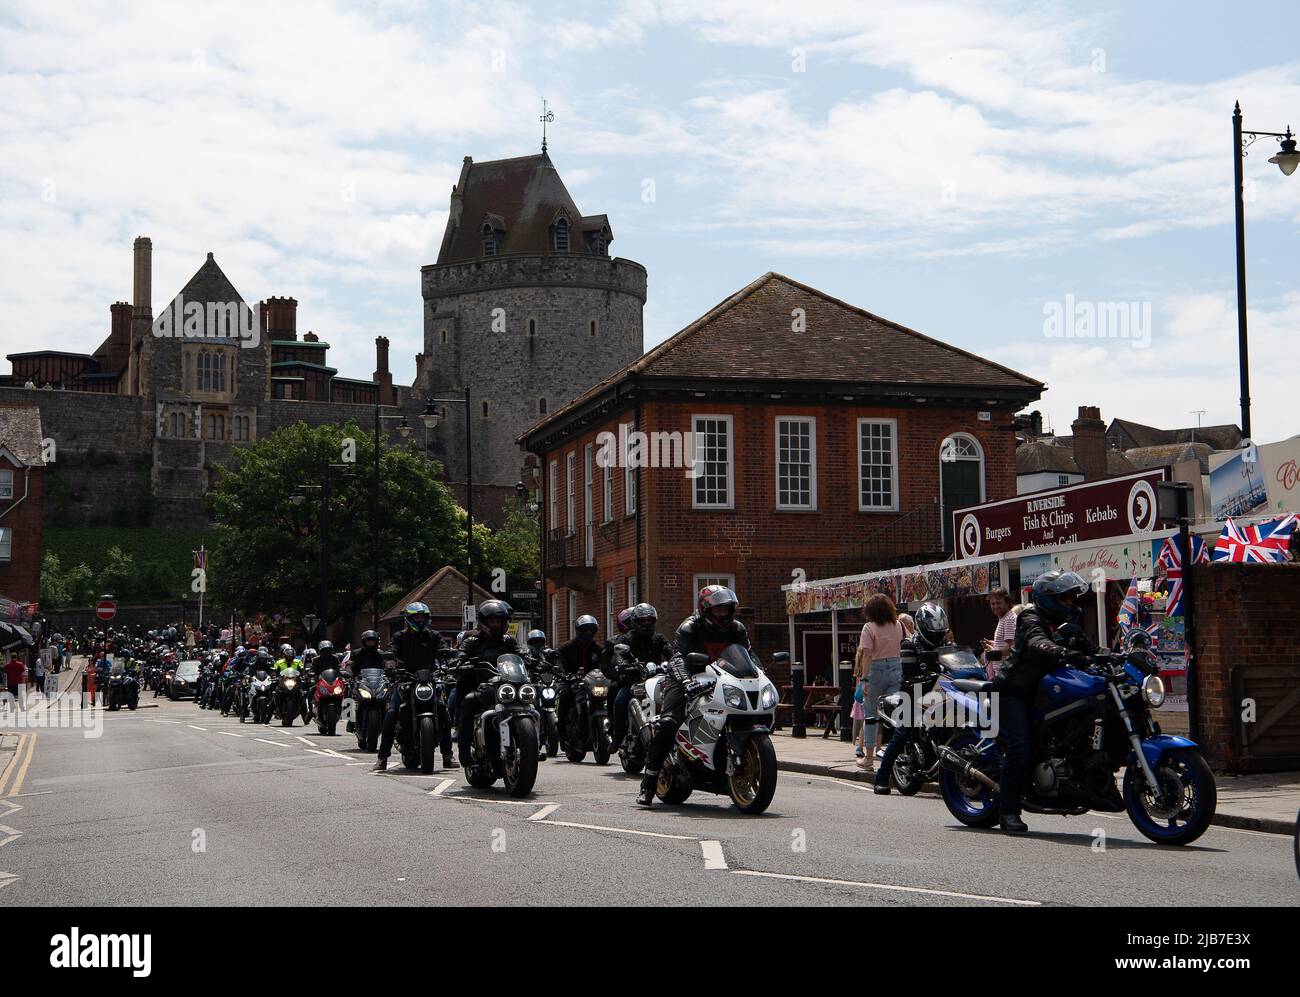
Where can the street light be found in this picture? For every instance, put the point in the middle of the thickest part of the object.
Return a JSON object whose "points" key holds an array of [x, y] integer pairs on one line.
{"points": [[404, 430], [296, 498], [1287, 160], [431, 418]]}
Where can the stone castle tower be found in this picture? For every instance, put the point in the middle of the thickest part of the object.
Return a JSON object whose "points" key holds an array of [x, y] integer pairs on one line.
{"points": [[525, 306]]}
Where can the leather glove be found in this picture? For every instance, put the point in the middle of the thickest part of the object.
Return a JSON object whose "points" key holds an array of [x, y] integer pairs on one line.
{"points": [[699, 686], [1077, 659]]}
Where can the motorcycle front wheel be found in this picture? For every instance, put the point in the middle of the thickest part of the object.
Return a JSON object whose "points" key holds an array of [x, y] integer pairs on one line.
{"points": [[521, 771], [1187, 806], [600, 750], [753, 784], [329, 719], [428, 735]]}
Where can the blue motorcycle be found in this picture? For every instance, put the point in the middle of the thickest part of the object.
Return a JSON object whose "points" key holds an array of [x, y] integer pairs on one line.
{"points": [[1087, 724]]}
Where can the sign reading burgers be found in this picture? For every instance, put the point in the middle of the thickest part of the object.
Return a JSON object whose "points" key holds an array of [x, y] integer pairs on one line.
{"points": [[1094, 510]]}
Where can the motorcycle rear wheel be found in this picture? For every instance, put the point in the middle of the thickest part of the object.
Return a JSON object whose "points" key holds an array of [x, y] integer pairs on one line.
{"points": [[753, 784], [907, 776], [670, 788], [971, 802], [632, 764], [574, 755]]}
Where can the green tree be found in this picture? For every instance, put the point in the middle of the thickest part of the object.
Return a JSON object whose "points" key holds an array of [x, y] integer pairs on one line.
{"points": [[515, 549], [62, 588], [266, 556]]}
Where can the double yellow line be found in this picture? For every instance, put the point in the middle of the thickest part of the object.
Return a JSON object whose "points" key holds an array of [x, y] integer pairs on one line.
{"points": [[18, 765]]}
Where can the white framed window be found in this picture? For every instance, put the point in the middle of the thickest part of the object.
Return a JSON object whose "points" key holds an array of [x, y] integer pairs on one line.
{"points": [[629, 482], [588, 507], [553, 490], [573, 615], [6, 544], [570, 463], [796, 462], [607, 487], [632, 599], [6, 484], [609, 610], [877, 465], [1062, 480], [555, 619], [713, 464], [729, 581]]}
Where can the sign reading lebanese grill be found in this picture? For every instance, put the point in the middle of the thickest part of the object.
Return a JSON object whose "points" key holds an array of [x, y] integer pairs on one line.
{"points": [[1096, 510]]}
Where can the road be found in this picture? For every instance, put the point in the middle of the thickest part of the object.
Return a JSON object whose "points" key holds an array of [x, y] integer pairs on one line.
{"points": [[173, 805]]}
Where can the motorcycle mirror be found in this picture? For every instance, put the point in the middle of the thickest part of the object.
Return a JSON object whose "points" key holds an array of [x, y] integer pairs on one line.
{"points": [[781, 656], [622, 648], [696, 662]]}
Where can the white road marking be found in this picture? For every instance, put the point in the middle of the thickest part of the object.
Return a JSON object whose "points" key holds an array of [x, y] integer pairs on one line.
{"points": [[886, 886], [713, 857], [195, 727], [322, 751], [619, 830], [150, 720], [278, 744], [487, 799], [229, 733], [6, 878], [545, 812], [11, 833], [304, 740], [439, 789], [15, 807]]}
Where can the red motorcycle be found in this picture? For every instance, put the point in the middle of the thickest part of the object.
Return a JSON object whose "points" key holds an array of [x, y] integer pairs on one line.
{"points": [[327, 700]]}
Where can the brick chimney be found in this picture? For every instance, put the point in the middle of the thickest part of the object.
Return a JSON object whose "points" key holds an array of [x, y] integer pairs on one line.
{"points": [[1090, 442], [383, 377], [311, 337], [119, 337], [143, 273], [280, 318]]}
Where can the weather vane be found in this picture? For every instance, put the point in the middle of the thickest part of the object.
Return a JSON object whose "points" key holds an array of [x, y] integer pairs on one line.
{"points": [[547, 116]]}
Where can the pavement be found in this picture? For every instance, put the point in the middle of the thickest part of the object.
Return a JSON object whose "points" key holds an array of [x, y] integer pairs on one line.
{"points": [[1266, 803], [179, 806]]}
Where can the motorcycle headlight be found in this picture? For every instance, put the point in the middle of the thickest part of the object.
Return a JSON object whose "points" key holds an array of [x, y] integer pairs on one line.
{"points": [[527, 693], [768, 697], [548, 694], [599, 690], [365, 693], [338, 688], [506, 694], [1153, 691], [290, 683], [424, 691], [734, 696]]}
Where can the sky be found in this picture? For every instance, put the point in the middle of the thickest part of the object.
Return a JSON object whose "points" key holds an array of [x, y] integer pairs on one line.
{"points": [[991, 174]]}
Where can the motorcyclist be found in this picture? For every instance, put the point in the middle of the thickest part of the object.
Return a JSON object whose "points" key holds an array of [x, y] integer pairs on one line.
{"points": [[287, 659], [709, 631], [577, 657], [645, 644], [365, 656], [537, 645], [491, 640], [1055, 597], [920, 666], [415, 647]]}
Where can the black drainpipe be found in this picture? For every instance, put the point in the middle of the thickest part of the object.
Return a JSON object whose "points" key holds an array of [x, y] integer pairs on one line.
{"points": [[642, 594]]}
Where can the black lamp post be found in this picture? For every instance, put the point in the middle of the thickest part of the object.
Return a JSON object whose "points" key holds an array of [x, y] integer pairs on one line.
{"points": [[1286, 160], [431, 417], [404, 428], [297, 497]]}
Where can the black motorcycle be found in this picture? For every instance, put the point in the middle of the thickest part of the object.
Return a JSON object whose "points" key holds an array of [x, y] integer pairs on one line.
{"points": [[370, 692], [419, 717], [289, 696], [503, 742], [547, 680], [631, 753], [587, 725], [123, 690]]}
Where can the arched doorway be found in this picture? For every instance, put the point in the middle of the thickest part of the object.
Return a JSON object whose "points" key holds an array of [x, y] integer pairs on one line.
{"points": [[961, 477]]}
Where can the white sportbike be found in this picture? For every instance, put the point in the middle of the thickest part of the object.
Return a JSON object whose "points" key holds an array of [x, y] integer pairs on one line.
{"points": [[724, 745]]}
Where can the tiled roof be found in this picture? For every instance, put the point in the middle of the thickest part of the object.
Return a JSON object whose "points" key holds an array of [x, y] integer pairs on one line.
{"points": [[20, 433], [1222, 437], [1039, 456], [1170, 453], [443, 592]]}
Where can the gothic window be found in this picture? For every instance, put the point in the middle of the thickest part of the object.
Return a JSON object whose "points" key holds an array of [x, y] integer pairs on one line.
{"points": [[216, 427], [219, 372], [485, 410], [444, 337], [532, 327], [541, 406], [489, 240], [562, 236], [592, 327], [178, 426]]}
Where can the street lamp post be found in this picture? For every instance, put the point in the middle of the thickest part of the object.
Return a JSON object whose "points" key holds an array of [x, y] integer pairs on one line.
{"points": [[405, 429], [430, 417], [297, 498], [1286, 160]]}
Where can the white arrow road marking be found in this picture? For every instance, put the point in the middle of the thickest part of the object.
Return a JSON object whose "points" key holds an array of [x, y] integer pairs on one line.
{"points": [[442, 787], [13, 807], [304, 740], [328, 753], [618, 830], [6, 878], [195, 727], [887, 886], [545, 812], [229, 733], [713, 857], [11, 833], [278, 744]]}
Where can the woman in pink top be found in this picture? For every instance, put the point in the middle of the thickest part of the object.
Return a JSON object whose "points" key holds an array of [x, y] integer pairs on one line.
{"points": [[878, 668]]}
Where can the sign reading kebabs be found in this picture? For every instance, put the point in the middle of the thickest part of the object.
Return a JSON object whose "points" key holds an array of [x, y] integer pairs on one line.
{"points": [[1094, 510]]}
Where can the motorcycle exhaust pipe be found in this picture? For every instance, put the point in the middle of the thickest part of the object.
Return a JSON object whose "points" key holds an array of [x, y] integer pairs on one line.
{"points": [[643, 732], [954, 762]]}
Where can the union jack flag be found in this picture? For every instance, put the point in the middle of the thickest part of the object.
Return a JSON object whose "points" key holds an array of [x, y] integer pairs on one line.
{"points": [[1128, 610], [1260, 544], [1171, 556]]}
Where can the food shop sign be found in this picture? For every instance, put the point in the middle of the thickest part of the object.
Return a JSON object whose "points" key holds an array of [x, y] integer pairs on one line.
{"points": [[1097, 510]]}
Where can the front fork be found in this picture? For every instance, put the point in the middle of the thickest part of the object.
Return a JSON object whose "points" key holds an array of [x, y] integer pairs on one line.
{"points": [[1135, 742]]}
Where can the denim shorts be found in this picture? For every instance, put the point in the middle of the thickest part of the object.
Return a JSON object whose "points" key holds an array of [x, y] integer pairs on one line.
{"points": [[886, 677]]}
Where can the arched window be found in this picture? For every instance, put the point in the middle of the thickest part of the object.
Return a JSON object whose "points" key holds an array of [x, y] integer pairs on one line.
{"points": [[485, 410], [489, 240], [532, 327], [592, 327], [562, 235], [541, 406], [219, 373], [961, 477]]}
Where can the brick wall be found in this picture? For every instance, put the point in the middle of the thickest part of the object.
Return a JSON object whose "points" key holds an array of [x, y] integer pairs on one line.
{"points": [[1248, 649], [20, 576]]}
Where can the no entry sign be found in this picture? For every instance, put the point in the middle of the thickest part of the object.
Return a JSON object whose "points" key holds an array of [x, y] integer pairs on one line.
{"points": [[106, 609]]}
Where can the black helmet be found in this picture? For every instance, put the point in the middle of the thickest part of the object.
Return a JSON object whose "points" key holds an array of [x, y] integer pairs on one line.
{"points": [[263, 654], [643, 618], [586, 626], [537, 638], [416, 615], [324, 647], [931, 624], [492, 611], [714, 597], [1056, 594], [370, 635]]}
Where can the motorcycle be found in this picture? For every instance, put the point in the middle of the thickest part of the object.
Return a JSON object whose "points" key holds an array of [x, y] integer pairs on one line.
{"points": [[587, 727], [724, 745], [370, 696], [257, 693], [918, 762], [1086, 724], [631, 753], [328, 700], [123, 690], [288, 696], [503, 743], [418, 732], [548, 696]]}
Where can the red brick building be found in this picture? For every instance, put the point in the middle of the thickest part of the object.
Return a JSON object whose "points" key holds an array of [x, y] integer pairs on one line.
{"points": [[22, 502], [829, 441]]}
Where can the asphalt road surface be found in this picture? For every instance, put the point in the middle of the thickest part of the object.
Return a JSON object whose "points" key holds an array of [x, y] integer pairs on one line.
{"points": [[173, 805]]}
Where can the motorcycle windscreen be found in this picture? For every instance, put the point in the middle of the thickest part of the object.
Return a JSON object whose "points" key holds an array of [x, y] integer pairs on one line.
{"points": [[737, 661], [372, 676], [289, 673], [511, 668], [960, 663]]}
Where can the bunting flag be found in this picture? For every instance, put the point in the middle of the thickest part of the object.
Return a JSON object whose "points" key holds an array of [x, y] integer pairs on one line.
{"points": [[1128, 610], [1254, 544], [1171, 556], [201, 559]]}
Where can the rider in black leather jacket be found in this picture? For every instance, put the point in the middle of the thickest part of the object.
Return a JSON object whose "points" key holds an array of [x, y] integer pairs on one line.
{"points": [[415, 647], [487, 643]]}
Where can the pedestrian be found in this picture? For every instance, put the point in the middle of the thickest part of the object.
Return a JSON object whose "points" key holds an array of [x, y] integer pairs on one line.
{"points": [[996, 647], [1293, 545], [878, 667], [14, 672], [38, 674]]}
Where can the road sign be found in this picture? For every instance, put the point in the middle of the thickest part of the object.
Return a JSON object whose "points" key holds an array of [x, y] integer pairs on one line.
{"points": [[469, 614], [106, 608], [309, 623]]}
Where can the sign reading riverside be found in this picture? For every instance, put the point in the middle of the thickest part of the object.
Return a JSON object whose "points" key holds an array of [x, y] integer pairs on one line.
{"points": [[1112, 507]]}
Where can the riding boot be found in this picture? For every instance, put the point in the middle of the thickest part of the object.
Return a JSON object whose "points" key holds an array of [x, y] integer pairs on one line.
{"points": [[648, 782]]}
